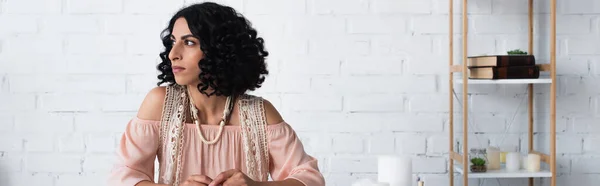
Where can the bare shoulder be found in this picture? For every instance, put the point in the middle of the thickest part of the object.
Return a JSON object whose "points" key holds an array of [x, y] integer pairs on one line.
{"points": [[273, 116], [151, 108]]}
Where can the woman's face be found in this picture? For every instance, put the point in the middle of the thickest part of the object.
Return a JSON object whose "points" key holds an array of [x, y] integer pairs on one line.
{"points": [[185, 54]]}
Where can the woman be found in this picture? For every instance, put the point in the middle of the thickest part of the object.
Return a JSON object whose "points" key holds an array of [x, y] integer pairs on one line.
{"points": [[203, 128]]}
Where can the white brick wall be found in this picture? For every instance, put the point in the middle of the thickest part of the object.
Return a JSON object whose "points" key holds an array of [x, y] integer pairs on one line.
{"points": [[356, 79]]}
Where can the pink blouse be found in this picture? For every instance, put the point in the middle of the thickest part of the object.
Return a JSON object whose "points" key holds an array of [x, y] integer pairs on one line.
{"points": [[139, 144]]}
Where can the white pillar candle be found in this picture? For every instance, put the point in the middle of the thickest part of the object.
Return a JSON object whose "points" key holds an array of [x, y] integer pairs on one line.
{"points": [[395, 170], [533, 162], [512, 161]]}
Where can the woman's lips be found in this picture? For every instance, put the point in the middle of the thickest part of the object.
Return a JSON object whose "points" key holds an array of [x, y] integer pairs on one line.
{"points": [[177, 69]]}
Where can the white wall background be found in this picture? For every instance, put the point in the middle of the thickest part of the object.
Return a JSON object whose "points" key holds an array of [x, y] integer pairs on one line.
{"points": [[355, 78]]}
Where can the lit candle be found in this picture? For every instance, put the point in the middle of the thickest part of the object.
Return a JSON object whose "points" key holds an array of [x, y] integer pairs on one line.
{"points": [[533, 162]]}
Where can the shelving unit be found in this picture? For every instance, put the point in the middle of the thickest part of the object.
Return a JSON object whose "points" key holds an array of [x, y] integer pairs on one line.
{"points": [[462, 159]]}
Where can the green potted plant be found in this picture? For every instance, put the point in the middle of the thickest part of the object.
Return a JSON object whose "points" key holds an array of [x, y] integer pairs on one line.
{"points": [[478, 165], [516, 52]]}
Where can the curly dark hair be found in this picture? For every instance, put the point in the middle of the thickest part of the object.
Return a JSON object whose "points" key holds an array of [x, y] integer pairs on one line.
{"points": [[234, 57]]}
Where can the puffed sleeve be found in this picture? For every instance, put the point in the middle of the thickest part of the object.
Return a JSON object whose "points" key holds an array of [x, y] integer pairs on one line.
{"points": [[136, 153], [288, 158]]}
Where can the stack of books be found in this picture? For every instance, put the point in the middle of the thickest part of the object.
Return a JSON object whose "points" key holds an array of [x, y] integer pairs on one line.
{"points": [[509, 66]]}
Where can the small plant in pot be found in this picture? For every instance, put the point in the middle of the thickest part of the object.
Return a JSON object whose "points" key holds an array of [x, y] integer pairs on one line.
{"points": [[478, 165]]}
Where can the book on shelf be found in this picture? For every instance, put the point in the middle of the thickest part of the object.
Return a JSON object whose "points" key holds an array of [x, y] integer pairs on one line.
{"points": [[503, 67]]}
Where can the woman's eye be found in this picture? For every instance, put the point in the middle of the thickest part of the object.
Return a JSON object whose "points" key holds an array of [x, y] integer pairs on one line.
{"points": [[189, 43]]}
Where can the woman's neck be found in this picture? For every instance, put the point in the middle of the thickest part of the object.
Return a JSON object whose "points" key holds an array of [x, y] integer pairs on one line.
{"points": [[208, 107]]}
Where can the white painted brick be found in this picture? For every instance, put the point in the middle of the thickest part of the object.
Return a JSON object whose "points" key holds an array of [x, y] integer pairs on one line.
{"points": [[574, 24], [95, 44], [105, 122], [590, 145], [294, 47], [86, 64], [569, 144], [24, 178], [126, 102], [141, 83], [19, 24], [337, 46], [98, 163], [382, 143], [595, 65], [489, 124], [377, 25], [353, 164], [67, 83], [284, 7], [38, 122], [17, 102], [582, 85], [76, 179], [429, 165], [100, 143], [135, 24], [582, 179], [579, 7], [582, 45], [94, 6], [290, 83], [7, 122], [11, 163], [505, 24], [310, 66], [474, 140], [374, 103], [495, 103], [306, 121], [144, 44], [26, 7], [238, 5], [68, 102], [61, 163], [407, 143], [417, 123], [401, 45], [152, 7], [71, 143], [372, 66], [348, 144], [11, 142], [574, 65], [422, 103], [39, 142], [473, 7], [519, 7], [313, 26], [585, 165], [401, 7], [51, 64], [356, 122], [310, 102], [33, 44], [378, 84], [437, 145], [541, 122], [69, 24], [333, 7], [509, 140], [434, 24]]}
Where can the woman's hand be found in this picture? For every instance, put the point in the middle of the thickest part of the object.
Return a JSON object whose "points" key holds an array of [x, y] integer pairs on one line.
{"points": [[197, 180], [233, 177]]}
